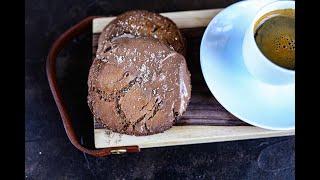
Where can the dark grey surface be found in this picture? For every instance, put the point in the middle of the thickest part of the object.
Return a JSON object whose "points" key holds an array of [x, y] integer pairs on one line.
{"points": [[50, 155]]}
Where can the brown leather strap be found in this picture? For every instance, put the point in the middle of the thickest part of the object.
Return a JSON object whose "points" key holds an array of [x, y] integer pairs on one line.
{"points": [[51, 74]]}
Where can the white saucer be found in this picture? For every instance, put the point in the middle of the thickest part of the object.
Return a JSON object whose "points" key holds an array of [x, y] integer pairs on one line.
{"points": [[263, 105]]}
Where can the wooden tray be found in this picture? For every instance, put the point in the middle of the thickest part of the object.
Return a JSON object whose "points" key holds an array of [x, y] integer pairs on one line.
{"points": [[205, 119]]}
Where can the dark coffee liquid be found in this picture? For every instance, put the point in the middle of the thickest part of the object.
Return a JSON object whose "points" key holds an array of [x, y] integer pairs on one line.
{"points": [[275, 37]]}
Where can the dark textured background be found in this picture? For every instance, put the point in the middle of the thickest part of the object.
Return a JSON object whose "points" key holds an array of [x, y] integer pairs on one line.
{"points": [[50, 155]]}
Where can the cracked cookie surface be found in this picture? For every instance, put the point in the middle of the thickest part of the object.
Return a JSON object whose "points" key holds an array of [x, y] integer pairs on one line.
{"points": [[139, 86], [143, 23]]}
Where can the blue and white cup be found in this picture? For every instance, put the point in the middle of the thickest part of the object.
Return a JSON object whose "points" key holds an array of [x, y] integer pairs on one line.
{"points": [[257, 64]]}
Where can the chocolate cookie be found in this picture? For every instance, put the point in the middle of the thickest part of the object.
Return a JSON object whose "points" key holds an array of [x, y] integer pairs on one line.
{"points": [[143, 23], [139, 87]]}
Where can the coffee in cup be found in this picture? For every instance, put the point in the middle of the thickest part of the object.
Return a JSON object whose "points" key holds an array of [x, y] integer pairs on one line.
{"points": [[269, 44], [275, 37]]}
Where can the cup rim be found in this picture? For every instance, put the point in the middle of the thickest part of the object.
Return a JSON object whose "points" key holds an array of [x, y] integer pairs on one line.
{"points": [[256, 17]]}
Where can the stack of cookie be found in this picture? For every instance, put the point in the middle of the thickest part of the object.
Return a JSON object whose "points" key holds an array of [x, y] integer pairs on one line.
{"points": [[139, 83]]}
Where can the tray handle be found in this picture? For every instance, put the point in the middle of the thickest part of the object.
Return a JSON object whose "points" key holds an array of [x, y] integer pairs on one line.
{"points": [[57, 46]]}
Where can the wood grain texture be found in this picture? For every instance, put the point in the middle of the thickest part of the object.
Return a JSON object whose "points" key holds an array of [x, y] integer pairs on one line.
{"points": [[205, 120], [183, 19], [182, 135]]}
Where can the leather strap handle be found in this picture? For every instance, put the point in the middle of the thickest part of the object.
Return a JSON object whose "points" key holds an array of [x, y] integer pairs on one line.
{"points": [[57, 46]]}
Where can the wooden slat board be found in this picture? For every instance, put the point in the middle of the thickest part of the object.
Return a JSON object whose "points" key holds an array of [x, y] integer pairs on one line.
{"points": [[183, 19], [182, 135], [205, 119]]}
